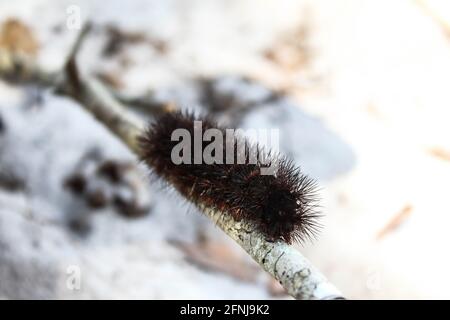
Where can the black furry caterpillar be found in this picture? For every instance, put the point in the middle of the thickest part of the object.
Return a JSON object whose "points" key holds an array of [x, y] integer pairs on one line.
{"points": [[282, 206]]}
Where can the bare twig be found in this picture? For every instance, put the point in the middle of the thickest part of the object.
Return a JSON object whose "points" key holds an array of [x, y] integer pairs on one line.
{"points": [[145, 104], [20, 69], [296, 274], [71, 69]]}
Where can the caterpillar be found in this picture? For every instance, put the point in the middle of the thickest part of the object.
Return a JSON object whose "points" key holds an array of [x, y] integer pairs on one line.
{"points": [[282, 206]]}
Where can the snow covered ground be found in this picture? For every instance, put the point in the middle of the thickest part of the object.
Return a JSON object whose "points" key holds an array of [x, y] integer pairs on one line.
{"points": [[364, 110]]}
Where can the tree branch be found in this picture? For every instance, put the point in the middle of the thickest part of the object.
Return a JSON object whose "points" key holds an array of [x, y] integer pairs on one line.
{"points": [[295, 273]]}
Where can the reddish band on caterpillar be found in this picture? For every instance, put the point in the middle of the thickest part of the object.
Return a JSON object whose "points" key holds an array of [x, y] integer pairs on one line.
{"points": [[282, 206]]}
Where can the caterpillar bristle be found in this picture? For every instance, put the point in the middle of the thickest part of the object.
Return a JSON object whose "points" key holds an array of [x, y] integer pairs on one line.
{"points": [[283, 206]]}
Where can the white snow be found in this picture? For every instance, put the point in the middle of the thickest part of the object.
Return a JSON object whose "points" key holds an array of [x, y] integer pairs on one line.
{"points": [[362, 117]]}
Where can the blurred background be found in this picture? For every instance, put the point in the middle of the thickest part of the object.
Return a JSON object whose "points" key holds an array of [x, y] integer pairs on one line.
{"points": [[358, 88]]}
